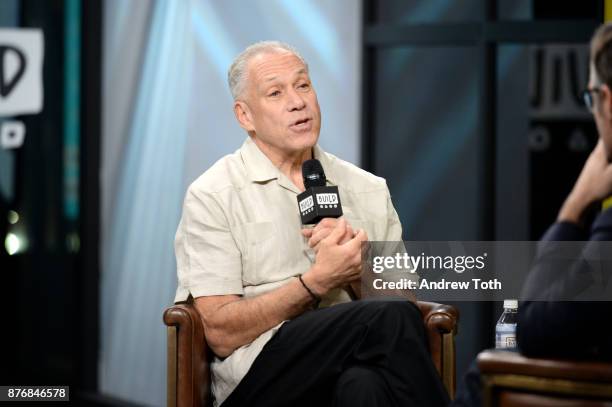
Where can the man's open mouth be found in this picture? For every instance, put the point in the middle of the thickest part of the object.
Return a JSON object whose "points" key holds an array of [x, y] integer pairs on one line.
{"points": [[302, 125], [301, 121]]}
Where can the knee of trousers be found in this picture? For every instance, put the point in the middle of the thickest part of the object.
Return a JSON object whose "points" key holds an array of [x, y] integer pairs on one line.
{"points": [[395, 311], [360, 386], [357, 378]]}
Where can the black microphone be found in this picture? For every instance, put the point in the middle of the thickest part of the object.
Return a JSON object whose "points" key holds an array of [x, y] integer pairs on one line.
{"points": [[318, 201]]}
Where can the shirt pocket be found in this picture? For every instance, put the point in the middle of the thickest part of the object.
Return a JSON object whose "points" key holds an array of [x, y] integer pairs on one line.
{"points": [[260, 251]]}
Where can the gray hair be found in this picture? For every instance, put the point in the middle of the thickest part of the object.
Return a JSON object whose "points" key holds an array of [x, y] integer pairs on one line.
{"points": [[237, 73]]}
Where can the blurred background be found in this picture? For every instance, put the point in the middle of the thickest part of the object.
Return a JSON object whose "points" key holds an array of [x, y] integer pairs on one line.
{"points": [[110, 108]]}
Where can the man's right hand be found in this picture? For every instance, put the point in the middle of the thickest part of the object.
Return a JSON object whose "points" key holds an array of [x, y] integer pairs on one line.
{"points": [[594, 184], [322, 230], [336, 263]]}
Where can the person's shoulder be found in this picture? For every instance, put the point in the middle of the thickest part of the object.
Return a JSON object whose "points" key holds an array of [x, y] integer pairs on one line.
{"points": [[227, 173], [353, 178]]}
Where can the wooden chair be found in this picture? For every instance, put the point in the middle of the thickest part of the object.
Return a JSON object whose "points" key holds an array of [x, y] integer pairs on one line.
{"points": [[512, 380], [189, 356]]}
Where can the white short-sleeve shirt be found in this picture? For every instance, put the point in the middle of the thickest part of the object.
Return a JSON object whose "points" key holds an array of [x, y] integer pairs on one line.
{"points": [[240, 234]]}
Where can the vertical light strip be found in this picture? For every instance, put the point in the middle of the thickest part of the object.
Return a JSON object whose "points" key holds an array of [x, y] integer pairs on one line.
{"points": [[72, 102], [213, 36], [122, 276], [316, 27], [139, 252]]}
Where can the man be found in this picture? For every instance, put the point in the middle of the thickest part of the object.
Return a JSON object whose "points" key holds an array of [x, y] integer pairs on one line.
{"points": [[255, 274], [574, 329], [571, 329]]}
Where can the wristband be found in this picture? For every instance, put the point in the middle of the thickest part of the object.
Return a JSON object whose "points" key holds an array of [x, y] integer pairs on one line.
{"points": [[315, 297]]}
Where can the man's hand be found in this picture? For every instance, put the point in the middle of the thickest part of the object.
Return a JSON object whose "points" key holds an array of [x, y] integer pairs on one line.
{"points": [[322, 230], [594, 184], [337, 263]]}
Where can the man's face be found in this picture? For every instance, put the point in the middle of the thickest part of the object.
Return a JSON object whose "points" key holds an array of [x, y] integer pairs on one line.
{"points": [[282, 111], [601, 110]]}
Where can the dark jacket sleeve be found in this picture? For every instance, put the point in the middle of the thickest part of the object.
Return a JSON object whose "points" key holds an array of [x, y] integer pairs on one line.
{"points": [[567, 329]]}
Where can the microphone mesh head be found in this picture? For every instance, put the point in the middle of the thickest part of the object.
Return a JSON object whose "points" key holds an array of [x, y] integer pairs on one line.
{"points": [[313, 174]]}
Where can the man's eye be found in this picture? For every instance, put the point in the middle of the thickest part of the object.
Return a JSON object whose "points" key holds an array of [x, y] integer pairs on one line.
{"points": [[275, 93], [304, 86]]}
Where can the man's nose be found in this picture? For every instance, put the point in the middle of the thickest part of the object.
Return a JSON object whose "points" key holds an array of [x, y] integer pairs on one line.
{"points": [[295, 101]]}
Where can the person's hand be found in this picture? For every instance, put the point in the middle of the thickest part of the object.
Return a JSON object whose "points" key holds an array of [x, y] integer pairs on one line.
{"points": [[322, 230], [594, 184], [336, 264]]}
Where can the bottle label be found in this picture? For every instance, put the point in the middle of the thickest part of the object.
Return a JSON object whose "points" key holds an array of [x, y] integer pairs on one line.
{"points": [[505, 341], [505, 336]]}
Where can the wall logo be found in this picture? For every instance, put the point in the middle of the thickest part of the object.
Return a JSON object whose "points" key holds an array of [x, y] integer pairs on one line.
{"points": [[21, 89], [21, 58], [557, 75], [8, 84], [12, 134]]}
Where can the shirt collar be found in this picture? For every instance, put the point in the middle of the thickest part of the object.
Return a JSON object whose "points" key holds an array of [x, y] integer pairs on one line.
{"points": [[327, 164], [258, 165], [260, 168]]}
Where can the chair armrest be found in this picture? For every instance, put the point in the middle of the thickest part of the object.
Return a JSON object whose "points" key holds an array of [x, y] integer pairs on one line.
{"points": [[440, 322], [512, 363], [441, 318], [509, 378], [188, 357]]}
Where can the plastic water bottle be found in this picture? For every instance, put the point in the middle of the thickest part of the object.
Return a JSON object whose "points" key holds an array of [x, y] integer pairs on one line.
{"points": [[505, 330]]}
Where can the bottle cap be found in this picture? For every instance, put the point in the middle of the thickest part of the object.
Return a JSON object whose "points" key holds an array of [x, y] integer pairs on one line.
{"points": [[512, 304]]}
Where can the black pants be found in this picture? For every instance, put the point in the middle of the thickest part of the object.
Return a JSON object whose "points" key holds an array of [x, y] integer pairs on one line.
{"points": [[469, 392], [363, 353]]}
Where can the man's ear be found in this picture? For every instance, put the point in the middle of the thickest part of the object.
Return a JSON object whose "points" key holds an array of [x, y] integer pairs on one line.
{"points": [[606, 101], [243, 115]]}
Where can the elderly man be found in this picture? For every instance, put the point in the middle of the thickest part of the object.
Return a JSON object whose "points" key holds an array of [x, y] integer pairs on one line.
{"points": [[256, 275]]}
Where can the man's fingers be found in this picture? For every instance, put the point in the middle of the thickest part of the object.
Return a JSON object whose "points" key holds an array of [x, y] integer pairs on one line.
{"points": [[360, 237], [321, 233], [337, 233], [318, 236], [307, 232], [327, 223], [348, 235], [357, 259]]}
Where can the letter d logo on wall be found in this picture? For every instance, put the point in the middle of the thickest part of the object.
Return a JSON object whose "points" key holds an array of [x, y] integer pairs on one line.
{"points": [[21, 61]]}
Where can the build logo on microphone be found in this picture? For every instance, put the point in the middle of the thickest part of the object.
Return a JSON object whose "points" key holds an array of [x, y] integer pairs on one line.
{"points": [[327, 200], [21, 89], [306, 205]]}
